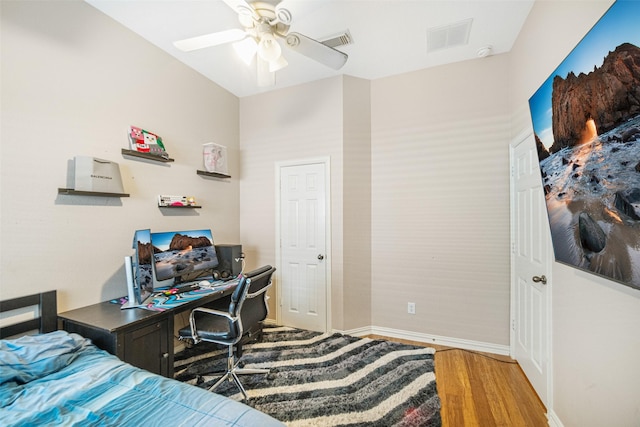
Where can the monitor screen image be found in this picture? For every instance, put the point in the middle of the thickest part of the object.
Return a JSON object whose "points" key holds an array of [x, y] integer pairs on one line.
{"points": [[183, 255], [143, 267]]}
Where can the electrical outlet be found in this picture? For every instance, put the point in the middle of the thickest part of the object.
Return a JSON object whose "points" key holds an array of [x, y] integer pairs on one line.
{"points": [[411, 308]]}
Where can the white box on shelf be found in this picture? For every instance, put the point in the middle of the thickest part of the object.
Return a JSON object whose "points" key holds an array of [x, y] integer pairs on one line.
{"points": [[173, 200], [215, 158]]}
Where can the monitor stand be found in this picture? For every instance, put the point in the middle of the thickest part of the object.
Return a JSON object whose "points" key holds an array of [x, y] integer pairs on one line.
{"points": [[131, 292]]}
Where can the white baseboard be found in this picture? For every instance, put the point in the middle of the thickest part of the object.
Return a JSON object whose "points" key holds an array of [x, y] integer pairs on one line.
{"points": [[431, 339], [553, 419], [485, 347]]}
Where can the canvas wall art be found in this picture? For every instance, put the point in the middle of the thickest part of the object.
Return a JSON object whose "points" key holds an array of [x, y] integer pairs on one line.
{"points": [[586, 120]]}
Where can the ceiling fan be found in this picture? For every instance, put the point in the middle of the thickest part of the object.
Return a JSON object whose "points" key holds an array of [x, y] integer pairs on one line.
{"points": [[264, 23]]}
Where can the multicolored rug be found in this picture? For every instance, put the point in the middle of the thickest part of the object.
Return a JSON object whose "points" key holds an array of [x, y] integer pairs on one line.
{"points": [[326, 379]]}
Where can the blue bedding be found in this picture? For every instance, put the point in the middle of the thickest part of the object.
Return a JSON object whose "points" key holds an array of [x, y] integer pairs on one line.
{"points": [[63, 379]]}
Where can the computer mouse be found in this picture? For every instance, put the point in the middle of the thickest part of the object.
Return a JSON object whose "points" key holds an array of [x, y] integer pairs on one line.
{"points": [[204, 283]]}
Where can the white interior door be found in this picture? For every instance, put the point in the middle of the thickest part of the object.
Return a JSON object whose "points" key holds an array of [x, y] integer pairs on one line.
{"points": [[303, 256], [531, 261]]}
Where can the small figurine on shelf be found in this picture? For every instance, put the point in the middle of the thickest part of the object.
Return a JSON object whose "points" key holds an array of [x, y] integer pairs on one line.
{"points": [[191, 201]]}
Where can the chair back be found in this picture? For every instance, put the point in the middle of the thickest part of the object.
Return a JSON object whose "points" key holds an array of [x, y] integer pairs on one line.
{"points": [[260, 278], [255, 309], [239, 295]]}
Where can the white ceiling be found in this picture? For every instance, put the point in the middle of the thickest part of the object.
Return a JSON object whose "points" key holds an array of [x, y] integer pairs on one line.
{"points": [[389, 36]]}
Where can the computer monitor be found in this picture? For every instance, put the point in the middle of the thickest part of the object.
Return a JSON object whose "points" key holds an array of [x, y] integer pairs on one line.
{"points": [[144, 265], [183, 256], [139, 270]]}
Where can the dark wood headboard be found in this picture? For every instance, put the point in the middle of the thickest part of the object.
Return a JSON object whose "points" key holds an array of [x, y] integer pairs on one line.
{"points": [[47, 309]]}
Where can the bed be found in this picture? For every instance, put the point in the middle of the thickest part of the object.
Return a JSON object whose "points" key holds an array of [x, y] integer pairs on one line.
{"points": [[57, 378]]}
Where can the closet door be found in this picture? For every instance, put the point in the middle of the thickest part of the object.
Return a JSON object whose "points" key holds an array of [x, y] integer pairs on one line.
{"points": [[303, 244]]}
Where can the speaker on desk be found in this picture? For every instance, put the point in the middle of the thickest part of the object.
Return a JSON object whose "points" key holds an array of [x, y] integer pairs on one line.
{"points": [[229, 261]]}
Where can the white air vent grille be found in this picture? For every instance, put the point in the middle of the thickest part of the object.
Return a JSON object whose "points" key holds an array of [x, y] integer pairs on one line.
{"points": [[341, 39], [456, 34]]}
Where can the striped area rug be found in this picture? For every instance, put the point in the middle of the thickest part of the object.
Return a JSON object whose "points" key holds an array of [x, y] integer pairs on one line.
{"points": [[326, 379]]}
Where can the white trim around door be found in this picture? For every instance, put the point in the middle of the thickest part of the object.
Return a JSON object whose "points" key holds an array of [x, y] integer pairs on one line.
{"points": [[327, 253]]}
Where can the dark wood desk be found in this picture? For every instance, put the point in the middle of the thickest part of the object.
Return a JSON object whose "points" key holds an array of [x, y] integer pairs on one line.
{"points": [[137, 336]]}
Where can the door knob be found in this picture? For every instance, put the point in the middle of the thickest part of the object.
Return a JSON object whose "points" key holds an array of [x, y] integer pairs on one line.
{"points": [[542, 279], [320, 257]]}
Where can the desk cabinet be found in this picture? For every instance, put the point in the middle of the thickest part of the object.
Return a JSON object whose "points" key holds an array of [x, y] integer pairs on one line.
{"points": [[140, 337], [147, 347]]}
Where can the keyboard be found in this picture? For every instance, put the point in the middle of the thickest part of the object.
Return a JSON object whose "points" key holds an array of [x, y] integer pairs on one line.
{"points": [[180, 290]]}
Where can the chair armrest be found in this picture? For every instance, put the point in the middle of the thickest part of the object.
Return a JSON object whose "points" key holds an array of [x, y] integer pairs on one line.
{"points": [[210, 311], [260, 291]]}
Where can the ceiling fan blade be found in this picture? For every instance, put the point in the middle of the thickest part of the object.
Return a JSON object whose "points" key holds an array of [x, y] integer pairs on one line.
{"points": [[241, 7], [315, 50], [208, 40]]}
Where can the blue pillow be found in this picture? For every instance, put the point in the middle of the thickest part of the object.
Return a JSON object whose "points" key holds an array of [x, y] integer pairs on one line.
{"points": [[34, 356]]}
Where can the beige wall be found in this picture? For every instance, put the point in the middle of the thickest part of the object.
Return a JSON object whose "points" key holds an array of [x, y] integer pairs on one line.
{"points": [[73, 80], [356, 298], [440, 201], [295, 123], [328, 118], [595, 321], [403, 218]]}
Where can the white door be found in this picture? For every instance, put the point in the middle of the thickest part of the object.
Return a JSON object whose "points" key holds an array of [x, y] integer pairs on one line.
{"points": [[531, 267], [303, 246]]}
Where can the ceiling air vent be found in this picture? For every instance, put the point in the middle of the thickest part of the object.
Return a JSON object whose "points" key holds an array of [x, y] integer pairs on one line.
{"points": [[341, 39], [456, 34]]}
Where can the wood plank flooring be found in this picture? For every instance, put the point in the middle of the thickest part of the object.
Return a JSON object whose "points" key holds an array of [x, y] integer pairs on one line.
{"points": [[482, 389]]}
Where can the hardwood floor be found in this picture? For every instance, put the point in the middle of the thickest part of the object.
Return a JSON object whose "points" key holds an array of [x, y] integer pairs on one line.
{"points": [[482, 389]]}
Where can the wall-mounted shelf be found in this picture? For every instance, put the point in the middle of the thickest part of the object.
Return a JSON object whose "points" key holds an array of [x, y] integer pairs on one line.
{"points": [[213, 174], [181, 207], [72, 192], [146, 156]]}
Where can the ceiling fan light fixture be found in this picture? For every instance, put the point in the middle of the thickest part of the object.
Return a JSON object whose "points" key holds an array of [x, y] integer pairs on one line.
{"points": [[268, 48], [246, 49], [262, 22]]}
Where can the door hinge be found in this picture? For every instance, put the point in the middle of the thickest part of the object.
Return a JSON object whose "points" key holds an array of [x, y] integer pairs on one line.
{"points": [[513, 324]]}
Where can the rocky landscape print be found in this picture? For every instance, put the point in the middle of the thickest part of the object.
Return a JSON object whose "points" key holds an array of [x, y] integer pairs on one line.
{"points": [[182, 253], [586, 119], [144, 267]]}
